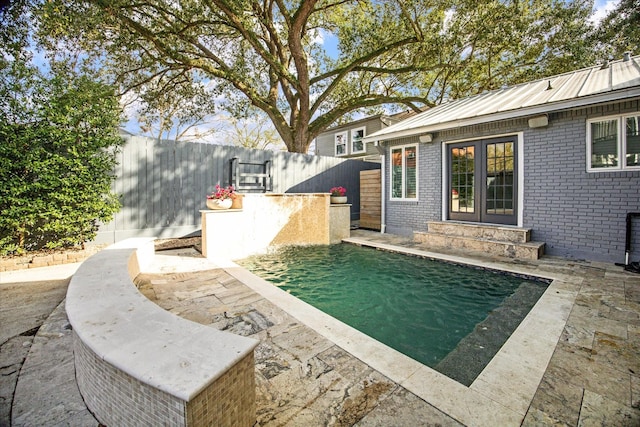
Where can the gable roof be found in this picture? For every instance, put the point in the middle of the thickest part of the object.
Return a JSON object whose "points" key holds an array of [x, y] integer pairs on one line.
{"points": [[608, 82]]}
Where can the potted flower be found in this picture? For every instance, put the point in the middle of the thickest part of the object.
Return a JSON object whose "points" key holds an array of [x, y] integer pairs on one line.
{"points": [[221, 198], [338, 195]]}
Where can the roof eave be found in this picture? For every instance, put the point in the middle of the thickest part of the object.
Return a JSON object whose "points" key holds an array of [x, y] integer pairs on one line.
{"points": [[617, 95]]}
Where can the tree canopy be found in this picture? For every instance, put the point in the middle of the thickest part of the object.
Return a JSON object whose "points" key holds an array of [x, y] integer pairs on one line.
{"points": [[181, 114], [619, 32], [272, 55], [253, 132]]}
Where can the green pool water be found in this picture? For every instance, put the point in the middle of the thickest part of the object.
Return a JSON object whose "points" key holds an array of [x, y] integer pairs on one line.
{"points": [[420, 307]]}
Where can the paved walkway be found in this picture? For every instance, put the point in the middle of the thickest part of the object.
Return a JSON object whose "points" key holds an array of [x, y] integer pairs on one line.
{"points": [[592, 376], [37, 382]]}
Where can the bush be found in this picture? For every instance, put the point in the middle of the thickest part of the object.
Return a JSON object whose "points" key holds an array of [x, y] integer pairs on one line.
{"points": [[58, 141]]}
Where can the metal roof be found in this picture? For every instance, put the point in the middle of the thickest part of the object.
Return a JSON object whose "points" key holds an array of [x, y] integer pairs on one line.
{"points": [[602, 83]]}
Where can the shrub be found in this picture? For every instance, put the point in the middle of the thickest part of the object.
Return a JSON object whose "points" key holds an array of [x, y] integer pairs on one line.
{"points": [[58, 142]]}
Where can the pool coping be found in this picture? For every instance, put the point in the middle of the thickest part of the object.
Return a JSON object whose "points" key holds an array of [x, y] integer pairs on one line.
{"points": [[503, 391]]}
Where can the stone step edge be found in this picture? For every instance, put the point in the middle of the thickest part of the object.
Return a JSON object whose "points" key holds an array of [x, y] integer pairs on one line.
{"points": [[533, 250], [521, 235], [530, 243], [479, 225]]}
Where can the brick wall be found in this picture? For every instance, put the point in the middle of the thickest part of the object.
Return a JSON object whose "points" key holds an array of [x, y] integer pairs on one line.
{"points": [[577, 214], [405, 216]]}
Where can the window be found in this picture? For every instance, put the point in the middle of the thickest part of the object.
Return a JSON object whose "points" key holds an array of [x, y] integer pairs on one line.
{"points": [[613, 143], [341, 143], [357, 146], [404, 172]]}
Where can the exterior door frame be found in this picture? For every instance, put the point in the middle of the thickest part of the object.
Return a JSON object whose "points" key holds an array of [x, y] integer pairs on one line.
{"points": [[519, 176]]}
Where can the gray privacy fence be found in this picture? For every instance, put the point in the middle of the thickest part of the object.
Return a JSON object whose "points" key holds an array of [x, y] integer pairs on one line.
{"points": [[163, 184]]}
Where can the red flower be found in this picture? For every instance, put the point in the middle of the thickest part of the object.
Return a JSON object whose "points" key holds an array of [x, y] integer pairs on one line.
{"points": [[338, 191]]}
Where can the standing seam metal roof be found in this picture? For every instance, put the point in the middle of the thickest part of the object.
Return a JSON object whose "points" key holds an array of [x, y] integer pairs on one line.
{"points": [[619, 79]]}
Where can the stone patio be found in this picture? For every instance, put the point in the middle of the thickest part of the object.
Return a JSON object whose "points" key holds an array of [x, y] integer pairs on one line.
{"points": [[306, 379], [303, 379], [592, 376]]}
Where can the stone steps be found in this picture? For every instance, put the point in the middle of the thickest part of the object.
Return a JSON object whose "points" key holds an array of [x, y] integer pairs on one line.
{"points": [[511, 242]]}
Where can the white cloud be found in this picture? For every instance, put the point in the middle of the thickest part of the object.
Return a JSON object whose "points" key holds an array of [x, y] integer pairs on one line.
{"points": [[601, 9], [317, 36]]}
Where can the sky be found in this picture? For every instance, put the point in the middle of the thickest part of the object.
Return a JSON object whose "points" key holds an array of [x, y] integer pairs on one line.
{"points": [[602, 7]]}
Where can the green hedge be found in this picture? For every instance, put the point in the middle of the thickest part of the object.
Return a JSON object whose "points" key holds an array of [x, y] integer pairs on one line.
{"points": [[58, 140]]}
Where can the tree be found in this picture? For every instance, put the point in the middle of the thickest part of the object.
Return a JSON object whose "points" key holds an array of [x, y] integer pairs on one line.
{"points": [[58, 135], [619, 31], [254, 131], [266, 54], [183, 113]]}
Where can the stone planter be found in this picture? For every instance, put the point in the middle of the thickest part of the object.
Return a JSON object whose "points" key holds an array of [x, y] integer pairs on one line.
{"points": [[338, 200], [218, 204]]}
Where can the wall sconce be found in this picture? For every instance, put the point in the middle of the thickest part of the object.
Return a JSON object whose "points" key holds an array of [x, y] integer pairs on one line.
{"points": [[379, 147], [427, 137], [539, 121]]}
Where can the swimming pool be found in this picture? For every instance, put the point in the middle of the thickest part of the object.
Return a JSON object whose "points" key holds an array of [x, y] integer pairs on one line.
{"points": [[450, 317]]}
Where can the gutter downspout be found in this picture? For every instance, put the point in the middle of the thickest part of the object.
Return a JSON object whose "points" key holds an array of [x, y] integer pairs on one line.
{"points": [[383, 224], [383, 163]]}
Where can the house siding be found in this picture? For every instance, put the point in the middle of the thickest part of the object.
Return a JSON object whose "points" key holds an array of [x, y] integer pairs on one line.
{"points": [[577, 214], [325, 143], [403, 217]]}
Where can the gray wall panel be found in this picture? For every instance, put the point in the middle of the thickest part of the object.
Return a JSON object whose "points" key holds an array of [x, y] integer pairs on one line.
{"points": [[163, 184]]}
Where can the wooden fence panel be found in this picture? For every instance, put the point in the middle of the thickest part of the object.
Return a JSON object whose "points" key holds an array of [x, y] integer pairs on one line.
{"points": [[163, 184], [370, 199]]}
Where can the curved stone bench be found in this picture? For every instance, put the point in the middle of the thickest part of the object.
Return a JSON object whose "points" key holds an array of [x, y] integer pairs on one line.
{"points": [[137, 364]]}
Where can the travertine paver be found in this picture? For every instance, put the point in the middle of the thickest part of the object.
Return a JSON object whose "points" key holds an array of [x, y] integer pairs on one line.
{"points": [[35, 351], [593, 374], [303, 379], [49, 375]]}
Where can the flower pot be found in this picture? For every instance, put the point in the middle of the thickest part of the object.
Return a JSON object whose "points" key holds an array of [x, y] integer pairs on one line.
{"points": [[218, 204], [338, 200]]}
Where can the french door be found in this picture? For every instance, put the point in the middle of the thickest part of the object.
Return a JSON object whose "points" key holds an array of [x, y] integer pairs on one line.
{"points": [[483, 180]]}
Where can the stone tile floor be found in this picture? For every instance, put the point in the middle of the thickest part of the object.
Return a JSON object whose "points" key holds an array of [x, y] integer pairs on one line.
{"points": [[592, 377], [303, 378]]}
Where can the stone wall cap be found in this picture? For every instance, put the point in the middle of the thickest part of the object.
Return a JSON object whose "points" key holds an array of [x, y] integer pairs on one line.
{"points": [[127, 330]]}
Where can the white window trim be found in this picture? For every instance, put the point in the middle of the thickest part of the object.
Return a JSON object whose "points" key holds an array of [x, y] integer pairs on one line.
{"points": [[404, 180], [345, 142], [621, 143], [364, 144]]}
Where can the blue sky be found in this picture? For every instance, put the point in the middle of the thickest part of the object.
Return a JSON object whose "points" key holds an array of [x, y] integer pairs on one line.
{"points": [[602, 7]]}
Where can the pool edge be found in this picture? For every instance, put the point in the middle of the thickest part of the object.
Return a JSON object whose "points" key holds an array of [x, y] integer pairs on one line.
{"points": [[503, 391]]}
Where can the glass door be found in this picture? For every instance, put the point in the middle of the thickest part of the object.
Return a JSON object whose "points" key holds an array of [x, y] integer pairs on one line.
{"points": [[483, 181], [462, 182]]}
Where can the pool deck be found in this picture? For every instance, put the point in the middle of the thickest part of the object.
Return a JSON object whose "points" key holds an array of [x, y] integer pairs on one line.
{"points": [[575, 360]]}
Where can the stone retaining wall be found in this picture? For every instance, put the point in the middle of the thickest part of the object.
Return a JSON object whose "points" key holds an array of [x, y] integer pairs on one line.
{"points": [[22, 262], [137, 364]]}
